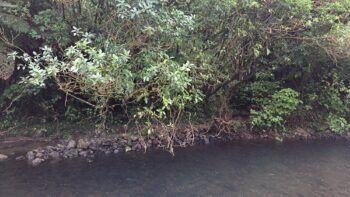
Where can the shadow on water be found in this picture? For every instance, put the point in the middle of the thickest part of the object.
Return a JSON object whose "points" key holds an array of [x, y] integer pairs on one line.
{"points": [[265, 169]]}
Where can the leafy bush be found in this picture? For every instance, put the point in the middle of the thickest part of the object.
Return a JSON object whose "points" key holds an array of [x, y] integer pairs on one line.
{"points": [[337, 124], [98, 76], [274, 112], [258, 92], [155, 59]]}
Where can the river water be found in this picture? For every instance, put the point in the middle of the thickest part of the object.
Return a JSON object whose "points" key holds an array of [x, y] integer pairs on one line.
{"points": [[254, 169]]}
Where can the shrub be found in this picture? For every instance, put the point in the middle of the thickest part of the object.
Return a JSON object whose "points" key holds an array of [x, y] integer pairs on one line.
{"points": [[337, 124], [99, 76], [274, 112], [258, 92]]}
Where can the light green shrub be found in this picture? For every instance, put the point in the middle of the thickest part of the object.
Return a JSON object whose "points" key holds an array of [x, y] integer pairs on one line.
{"points": [[273, 113]]}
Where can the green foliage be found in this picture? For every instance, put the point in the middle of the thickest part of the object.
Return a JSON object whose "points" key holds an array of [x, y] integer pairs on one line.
{"points": [[51, 28], [96, 76], [16, 96], [273, 114], [236, 125], [153, 60], [337, 124], [258, 92]]}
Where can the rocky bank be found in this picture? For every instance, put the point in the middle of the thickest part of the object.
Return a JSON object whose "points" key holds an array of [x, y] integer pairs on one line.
{"points": [[88, 148]]}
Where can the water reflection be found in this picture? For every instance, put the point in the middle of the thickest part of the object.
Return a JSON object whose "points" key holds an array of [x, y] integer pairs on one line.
{"points": [[290, 169]]}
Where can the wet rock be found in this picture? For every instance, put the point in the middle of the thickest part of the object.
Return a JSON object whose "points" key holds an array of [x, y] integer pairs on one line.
{"points": [[51, 148], [70, 153], [3, 157], [123, 142], [60, 146], [137, 147], [54, 155], [71, 144], [107, 143], [20, 158], [134, 138], [149, 145], [30, 155], [155, 142], [127, 149], [115, 145], [98, 141], [116, 151], [93, 146], [83, 153], [37, 161], [206, 140], [40, 155], [83, 144]]}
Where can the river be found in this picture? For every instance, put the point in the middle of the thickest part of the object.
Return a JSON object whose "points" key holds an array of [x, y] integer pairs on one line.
{"points": [[250, 169]]}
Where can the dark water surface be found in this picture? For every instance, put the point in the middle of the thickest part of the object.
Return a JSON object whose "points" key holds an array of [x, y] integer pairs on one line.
{"points": [[290, 169]]}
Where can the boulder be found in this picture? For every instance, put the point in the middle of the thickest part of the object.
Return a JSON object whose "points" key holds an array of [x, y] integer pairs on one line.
{"points": [[54, 155], [83, 144], [127, 149], [71, 144], [71, 153], [40, 155], [83, 153], [3, 157], [37, 161], [134, 138], [30, 155], [137, 147], [206, 140]]}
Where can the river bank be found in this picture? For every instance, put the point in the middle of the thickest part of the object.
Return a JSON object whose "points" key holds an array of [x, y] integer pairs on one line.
{"points": [[39, 150]]}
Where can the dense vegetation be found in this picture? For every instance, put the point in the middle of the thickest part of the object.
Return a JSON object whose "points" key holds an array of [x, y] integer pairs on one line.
{"points": [[281, 63]]}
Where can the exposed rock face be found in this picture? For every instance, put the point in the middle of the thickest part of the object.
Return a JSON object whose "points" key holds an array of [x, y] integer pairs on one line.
{"points": [[3, 157]]}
